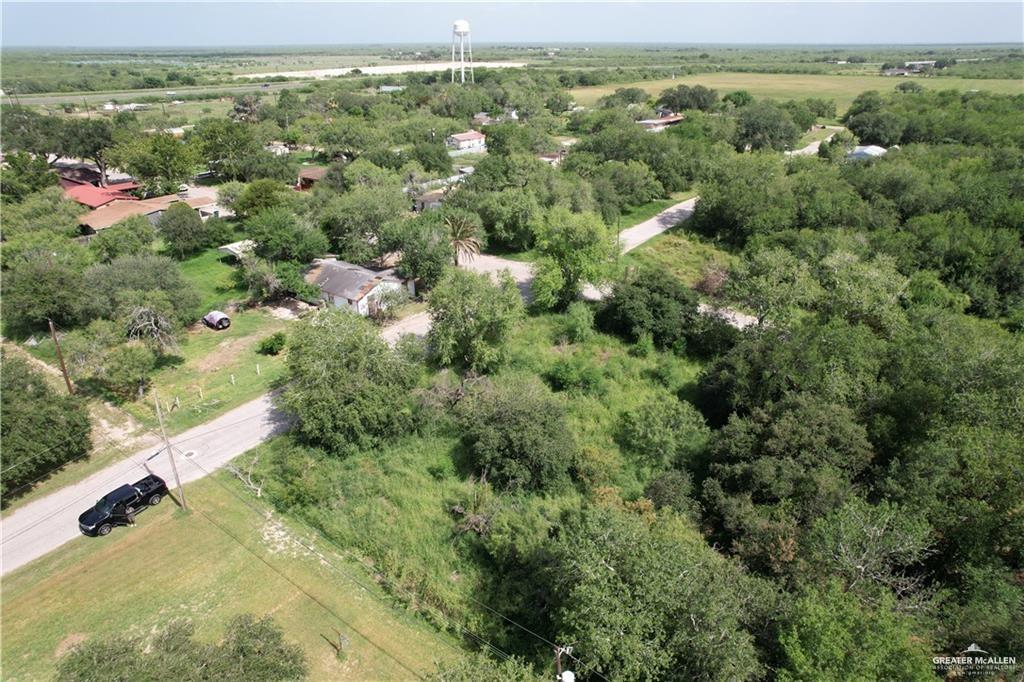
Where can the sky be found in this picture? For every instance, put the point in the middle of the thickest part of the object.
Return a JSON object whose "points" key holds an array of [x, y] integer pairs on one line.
{"points": [[226, 24]]}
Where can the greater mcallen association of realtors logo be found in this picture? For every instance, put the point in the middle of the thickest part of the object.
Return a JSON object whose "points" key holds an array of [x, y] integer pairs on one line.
{"points": [[974, 661]]}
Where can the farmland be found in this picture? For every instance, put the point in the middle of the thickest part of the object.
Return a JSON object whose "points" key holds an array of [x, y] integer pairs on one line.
{"points": [[794, 86]]}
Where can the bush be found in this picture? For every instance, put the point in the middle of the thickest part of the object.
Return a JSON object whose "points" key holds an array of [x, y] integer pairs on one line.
{"points": [[663, 432], [578, 322], [575, 373], [516, 435], [273, 344], [650, 303], [673, 489]]}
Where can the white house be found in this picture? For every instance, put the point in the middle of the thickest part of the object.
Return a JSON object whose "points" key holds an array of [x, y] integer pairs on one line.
{"points": [[355, 288], [864, 152], [471, 139]]}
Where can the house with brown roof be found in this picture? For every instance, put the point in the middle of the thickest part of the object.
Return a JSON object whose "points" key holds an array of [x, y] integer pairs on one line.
{"points": [[353, 287], [94, 197], [119, 209], [309, 176], [428, 200]]}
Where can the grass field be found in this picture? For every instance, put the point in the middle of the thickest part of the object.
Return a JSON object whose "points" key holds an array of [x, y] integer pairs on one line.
{"points": [[842, 89], [181, 565], [209, 360], [214, 278], [679, 253]]}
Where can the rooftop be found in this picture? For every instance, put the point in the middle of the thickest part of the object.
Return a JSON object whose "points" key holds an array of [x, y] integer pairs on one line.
{"points": [[346, 280]]}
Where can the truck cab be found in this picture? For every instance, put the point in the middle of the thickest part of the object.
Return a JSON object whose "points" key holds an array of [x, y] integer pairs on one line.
{"points": [[119, 506]]}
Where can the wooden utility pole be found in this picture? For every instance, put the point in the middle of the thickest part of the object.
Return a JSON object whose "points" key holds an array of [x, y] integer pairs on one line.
{"points": [[60, 357], [170, 453]]}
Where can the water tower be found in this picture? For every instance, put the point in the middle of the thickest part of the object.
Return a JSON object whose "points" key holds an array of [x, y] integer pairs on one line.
{"points": [[460, 35]]}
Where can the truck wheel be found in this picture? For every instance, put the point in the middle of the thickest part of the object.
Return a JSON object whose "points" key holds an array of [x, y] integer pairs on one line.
{"points": [[104, 529], [154, 499]]}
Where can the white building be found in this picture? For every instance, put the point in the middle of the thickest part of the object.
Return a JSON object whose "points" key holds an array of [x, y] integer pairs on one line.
{"points": [[864, 152], [355, 288], [470, 139]]}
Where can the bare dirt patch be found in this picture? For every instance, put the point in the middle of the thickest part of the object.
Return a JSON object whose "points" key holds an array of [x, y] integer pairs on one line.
{"points": [[69, 643]]}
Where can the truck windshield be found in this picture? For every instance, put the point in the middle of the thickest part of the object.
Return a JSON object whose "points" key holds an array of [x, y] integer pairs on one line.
{"points": [[102, 506]]}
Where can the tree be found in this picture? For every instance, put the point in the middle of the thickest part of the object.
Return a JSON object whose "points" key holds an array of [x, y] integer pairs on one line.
{"points": [[471, 318], [91, 139], [260, 195], [183, 230], [47, 211], [252, 649], [574, 248], [160, 161], [281, 236], [648, 303], [739, 98], [356, 221], [882, 128], [765, 126], [108, 284], [126, 370], [826, 625], [772, 283], [41, 429], [684, 97], [463, 234], [45, 283], [481, 667], [349, 390], [648, 599], [24, 174], [516, 434], [132, 236], [508, 216], [425, 246]]}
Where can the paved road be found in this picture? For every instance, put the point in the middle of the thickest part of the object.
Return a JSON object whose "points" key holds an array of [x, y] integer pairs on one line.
{"points": [[47, 523], [812, 148], [41, 526], [134, 95]]}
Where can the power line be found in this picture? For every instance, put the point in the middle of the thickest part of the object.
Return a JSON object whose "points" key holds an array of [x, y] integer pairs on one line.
{"points": [[448, 619], [384, 578]]}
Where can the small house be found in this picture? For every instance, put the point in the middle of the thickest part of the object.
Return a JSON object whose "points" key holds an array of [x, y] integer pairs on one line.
{"points": [[120, 209], [656, 125], [428, 201], [309, 176], [467, 141], [865, 152], [355, 288]]}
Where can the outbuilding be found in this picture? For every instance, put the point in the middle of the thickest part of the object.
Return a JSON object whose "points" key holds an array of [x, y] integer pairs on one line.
{"points": [[865, 152], [469, 140]]}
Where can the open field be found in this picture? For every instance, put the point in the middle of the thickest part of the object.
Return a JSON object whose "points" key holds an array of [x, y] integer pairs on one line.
{"points": [[679, 253], [77, 98], [842, 89], [184, 566]]}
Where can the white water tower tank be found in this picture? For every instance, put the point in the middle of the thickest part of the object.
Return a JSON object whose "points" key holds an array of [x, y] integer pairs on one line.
{"points": [[461, 27]]}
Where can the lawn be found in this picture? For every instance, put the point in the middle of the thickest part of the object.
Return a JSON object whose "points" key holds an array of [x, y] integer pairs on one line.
{"points": [[813, 135], [212, 274], [201, 381], [180, 565], [680, 253], [842, 89]]}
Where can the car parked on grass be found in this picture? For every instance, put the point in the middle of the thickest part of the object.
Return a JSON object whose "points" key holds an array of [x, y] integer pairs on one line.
{"points": [[118, 507], [215, 319]]}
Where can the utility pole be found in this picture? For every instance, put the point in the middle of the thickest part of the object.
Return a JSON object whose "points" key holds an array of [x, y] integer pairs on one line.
{"points": [[170, 453], [568, 675], [60, 357]]}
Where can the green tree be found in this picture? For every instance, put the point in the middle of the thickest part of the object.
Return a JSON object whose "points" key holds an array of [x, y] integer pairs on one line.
{"points": [[260, 195], [472, 317], [463, 234], [108, 284], [251, 649], [640, 598], [132, 236], [663, 432], [183, 230], [281, 236], [356, 221], [829, 635], [772, 283], [47, 211], [574, 249], [425, 247], [41, 429], [160, 161], [648, 303], [23, 174], [684, 97], [349, 390], [44, 283], [765, 126], [516, 434]]}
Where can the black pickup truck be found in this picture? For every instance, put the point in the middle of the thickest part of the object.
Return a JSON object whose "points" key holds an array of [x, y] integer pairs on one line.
{"points": [[118, 507]]}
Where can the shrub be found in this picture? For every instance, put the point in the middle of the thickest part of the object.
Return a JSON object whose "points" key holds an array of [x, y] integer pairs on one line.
{"points": [[650, 303], [516, 434], [578, 322], [273, 344], [663, 431], [673, 489], [575, 373]]}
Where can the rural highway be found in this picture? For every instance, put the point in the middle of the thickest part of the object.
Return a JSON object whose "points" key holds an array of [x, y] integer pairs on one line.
{"points": [[43, 525]]}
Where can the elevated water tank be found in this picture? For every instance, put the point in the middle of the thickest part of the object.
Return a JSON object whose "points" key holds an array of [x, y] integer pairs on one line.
{"points": [[461, 27]]}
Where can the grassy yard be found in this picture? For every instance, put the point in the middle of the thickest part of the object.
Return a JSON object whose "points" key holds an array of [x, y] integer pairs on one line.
{"points": [[842, 89], [680, 253], [213, 276], [202, 380], [813, 135], [181, 565]]}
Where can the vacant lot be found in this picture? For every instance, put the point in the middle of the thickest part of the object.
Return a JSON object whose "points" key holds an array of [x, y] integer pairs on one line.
{"points": [[680, 254], [798, 86], [222, 559]]}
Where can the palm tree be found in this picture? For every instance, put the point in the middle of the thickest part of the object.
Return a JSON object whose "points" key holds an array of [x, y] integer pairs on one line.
{"points": [[462, 231]]}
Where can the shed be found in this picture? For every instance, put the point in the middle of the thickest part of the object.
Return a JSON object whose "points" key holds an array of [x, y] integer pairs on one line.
{"points": [[309, 176], [865, 152], [471, 139], [428, 200], [237, 249]]}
